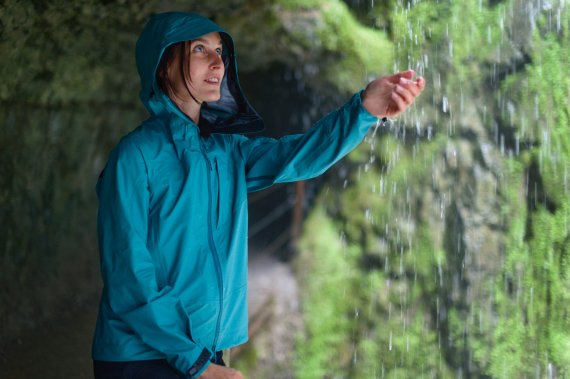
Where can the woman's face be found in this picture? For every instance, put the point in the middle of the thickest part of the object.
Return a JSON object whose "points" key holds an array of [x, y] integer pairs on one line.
{"points": [[206, 69]]}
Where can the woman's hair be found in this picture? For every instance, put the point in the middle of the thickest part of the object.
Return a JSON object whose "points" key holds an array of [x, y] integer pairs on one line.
{"points": [[182, 50]]}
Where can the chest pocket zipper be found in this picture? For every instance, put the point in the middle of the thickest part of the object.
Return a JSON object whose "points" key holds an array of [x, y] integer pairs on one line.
{"points": [[217, 191], [158, 255]]}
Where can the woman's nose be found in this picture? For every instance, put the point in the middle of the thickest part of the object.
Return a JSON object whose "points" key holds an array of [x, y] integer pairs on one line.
{"points": [[216, 62]]}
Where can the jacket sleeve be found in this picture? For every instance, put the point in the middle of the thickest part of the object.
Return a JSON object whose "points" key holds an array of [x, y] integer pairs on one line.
{"points": [[305, 156], [154, 314]]}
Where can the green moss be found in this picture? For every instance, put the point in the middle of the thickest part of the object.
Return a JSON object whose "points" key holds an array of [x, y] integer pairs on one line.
{"points": [[325, 266], [510, 357], [300, 4], [355, 320], [361, 52], [536, 262], [550, 84], [52, 52]]}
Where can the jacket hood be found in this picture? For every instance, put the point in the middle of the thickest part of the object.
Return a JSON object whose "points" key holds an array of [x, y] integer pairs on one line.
{"points": [[232, 113]]}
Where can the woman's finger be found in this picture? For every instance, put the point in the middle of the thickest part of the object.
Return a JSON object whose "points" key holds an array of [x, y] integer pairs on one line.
{"points": [[412, 89], [406, 95], [400, 103], [421, 82], [406, 75], [411, 85]]}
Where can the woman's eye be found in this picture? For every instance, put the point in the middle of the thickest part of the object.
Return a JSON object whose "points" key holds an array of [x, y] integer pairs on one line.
{"points": [[219, 51], [199, 48]]}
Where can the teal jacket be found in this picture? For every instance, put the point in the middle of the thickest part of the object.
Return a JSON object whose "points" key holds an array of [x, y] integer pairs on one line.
{"points": [[172, 221]]}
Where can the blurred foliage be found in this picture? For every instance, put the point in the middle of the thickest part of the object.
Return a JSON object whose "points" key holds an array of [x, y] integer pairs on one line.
{"points": [[408, 202], [323, 352], [345, 297], [52, 51]]}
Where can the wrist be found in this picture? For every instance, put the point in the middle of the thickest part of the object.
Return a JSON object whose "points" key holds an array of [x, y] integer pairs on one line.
{"points": [[371, 106], [203, 374]]}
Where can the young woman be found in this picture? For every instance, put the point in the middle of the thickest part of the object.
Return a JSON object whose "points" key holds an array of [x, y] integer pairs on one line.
{"points": [[172, 220]]}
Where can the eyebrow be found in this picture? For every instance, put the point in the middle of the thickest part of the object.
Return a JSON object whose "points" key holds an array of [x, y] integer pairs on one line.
{"points": [[203, 40]]}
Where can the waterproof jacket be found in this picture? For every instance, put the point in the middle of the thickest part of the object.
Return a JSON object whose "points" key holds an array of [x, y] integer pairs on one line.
{"points": [[172, 221]]}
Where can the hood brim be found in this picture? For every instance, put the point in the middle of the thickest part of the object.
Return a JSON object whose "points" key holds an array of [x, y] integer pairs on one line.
{"points": [[232, 113]]}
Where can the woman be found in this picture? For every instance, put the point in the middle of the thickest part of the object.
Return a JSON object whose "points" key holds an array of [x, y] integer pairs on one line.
{"points": [[172, 217]]}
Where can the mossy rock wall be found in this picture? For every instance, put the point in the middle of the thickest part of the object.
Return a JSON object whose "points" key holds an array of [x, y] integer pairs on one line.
{"points": [[455, 219]]}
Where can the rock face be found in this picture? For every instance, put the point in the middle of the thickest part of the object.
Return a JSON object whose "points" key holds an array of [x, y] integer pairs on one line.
{"points": [[63, 104], [462, 209]]}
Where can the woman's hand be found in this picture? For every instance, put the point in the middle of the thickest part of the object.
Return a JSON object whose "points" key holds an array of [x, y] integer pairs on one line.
{"points": [[390, 95], [214, 371]]}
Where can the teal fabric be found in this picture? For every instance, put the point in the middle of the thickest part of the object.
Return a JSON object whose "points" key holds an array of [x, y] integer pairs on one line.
{"points": [[172, 222]]}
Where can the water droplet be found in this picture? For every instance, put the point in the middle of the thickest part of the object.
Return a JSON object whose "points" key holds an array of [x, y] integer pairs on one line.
{"points": [[550, 370], [378, 122], [511, 109]]}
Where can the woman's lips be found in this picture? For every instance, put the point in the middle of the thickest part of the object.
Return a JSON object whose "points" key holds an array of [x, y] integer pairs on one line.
{"points": [[213, 81]]}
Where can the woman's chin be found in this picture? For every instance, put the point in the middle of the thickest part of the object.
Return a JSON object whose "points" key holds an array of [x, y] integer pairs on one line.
{"points": [[212, 97]]}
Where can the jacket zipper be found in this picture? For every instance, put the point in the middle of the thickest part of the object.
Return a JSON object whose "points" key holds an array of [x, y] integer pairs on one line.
{"points": [[213, 250]]}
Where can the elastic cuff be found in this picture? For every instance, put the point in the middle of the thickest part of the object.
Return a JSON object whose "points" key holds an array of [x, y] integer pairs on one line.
{"points": [[201, 364]]}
